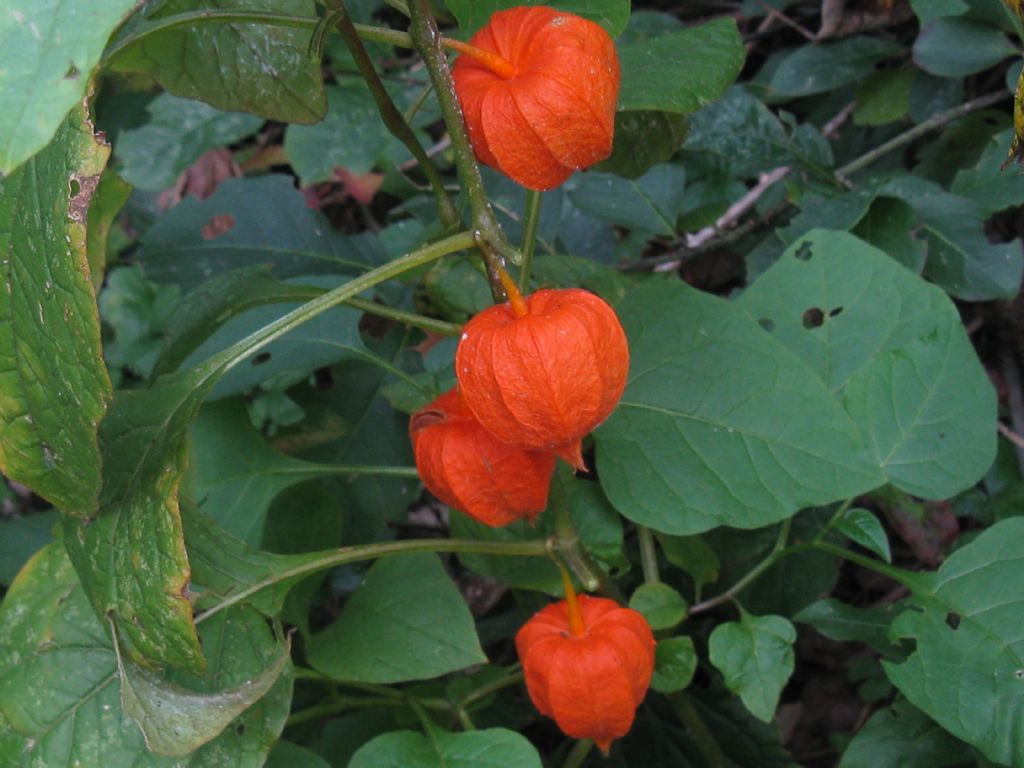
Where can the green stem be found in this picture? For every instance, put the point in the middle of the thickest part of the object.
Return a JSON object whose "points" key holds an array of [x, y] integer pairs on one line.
{"points": [[531, 221], [533, 548], [578, 753], [834, 519], [332, 470], [512, 678], [241, 350], [778, 552], [648, 555], [688, 715], [393, 119], [906, 578], [567, 543], [428, 43], [405, 318], [337, 705]]}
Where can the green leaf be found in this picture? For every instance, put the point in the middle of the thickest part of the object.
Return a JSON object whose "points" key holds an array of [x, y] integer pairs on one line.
{"points": [[650, 204], [53, 382], [742, 132], [21, 537], [613, 15], [844, 623], [883, 97], [890, 226], [247, 222], [693, 555], [967, 668], [675, 661], [838, 212], [517, 572], [864, 528], [178, 133], [107, 201], [237, 67], [720, 424], [490, 748], [897, 346], [960, 257], [643, 139], [47, 54], [824, 67], [954, 47], [176, 721], [288, 755], [926, 10], [755, 655], [986, 183], [681, 71], [352, 136], [903, 735], [406, 622], [60, 698], [661, 605]]}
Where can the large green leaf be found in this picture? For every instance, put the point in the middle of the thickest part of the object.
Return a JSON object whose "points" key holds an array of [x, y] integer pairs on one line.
{"points": [[643, 139], [21, 537], [823, 67], [53, 384], [903, 735], [720, 424], [60, 692], [986, 183], [960, 257], [248, 222], [967, 668], [490, 748], [681, 71], [406, 622], [179, 131], [48, 50], [651, 203], [954, 47], [755, 655], [613, 15], [895, 346], [243, 67]]}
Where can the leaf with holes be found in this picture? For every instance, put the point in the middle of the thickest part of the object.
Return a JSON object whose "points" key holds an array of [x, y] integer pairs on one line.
{"points": [[53, 382], [262, 68], [755, 655], [60, 697], [48, 50], [720, 424], [406, 622], [895, 347], [967, 669]]}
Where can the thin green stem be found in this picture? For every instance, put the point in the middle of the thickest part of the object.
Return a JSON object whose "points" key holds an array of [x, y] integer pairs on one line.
{"points": [[648, 555], [465, 719], [836, 517], [241, 350], [778, 552], [336, 705], [393, 119], [330, 559], [578, 753], [333, 470], [906, 578], [568, 545], [429, 43], [406, 318], [507, 681], [694, 723], [531, 222]]}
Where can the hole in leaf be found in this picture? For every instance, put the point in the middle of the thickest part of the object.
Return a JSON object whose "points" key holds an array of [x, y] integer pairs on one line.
{"points": [[72, 73], [804, 252], [240, 729], [323, 379], [1019, 674], [74, 187], [813, 318], [218, 225], [767, 323], [953, 620], [261, 358], [836, 312]]}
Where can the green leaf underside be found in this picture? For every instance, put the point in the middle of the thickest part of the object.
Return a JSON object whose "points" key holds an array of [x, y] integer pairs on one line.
{"points": [[720, 424], [681, 71], [895, 347], [755, 655], [490, 748], [967, 670], [60, 699], [53, 384], [613, 15], [48, 49], [406, 622], [262, 69]]}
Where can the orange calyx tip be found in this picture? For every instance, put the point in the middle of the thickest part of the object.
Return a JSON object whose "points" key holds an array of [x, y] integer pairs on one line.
{"points": [[572, 454], [572, 605], [498, 65], [604, 745], [515, 298]]}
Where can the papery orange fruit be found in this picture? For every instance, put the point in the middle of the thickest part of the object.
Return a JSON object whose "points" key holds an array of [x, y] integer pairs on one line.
{"points": [[590, 678], [542, 372], [539, 103], [469, 469]]}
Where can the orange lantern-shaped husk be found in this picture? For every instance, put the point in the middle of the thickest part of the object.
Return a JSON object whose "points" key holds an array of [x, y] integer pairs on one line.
{"points": [[590, 678], [538, 88], [466, 467], [544, 371]]}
